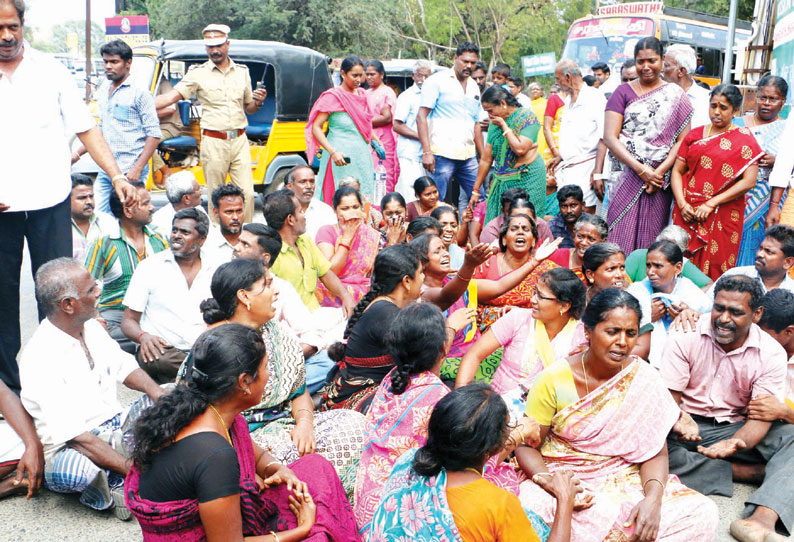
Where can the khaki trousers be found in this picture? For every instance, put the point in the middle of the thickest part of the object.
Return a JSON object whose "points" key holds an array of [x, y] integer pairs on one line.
{"points": [[228, 156]]}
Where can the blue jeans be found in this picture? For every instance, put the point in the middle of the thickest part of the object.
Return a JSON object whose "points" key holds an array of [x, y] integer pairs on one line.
{"points": [[103, 186], [464, 171], [317, 368]]}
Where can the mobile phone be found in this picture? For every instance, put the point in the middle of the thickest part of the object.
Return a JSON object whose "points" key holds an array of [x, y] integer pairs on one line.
{"points": [[347, 159], [260, 85]]}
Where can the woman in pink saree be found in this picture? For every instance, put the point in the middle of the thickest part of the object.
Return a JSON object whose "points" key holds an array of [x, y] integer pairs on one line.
{"points": [[350, 246], [398, 417], [382, 100], [605, 415]]}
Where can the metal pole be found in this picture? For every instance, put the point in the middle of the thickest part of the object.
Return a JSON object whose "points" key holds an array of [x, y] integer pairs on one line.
{"points": [[726, 68], [87, 50]]}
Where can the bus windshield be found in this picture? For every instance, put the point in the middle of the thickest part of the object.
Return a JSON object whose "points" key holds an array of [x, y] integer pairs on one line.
{"points": [[608, 39]]}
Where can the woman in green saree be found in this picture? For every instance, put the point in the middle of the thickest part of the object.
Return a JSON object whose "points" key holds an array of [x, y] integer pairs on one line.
{"points": [[512, 145]]}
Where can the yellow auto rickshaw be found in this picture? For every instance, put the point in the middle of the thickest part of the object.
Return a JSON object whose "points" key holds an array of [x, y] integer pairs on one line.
{"points": [[293, 76]]}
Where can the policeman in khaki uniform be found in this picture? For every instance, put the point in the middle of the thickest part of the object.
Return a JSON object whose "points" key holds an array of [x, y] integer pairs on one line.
{"points": [[224, 91]]}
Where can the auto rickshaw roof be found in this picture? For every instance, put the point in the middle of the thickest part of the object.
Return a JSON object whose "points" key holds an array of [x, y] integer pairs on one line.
{"points": [[301, 74]]}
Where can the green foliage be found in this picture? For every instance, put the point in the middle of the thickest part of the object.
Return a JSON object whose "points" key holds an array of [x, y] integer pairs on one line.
{"points": [[716, 7], [58, 39]]}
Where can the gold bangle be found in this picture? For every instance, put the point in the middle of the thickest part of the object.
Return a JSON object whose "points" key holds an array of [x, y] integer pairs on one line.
{"points": [[652, 480], [271, 463], [275, 536]]}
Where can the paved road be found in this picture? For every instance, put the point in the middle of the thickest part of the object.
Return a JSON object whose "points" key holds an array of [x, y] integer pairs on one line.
{"points": [[51, 517]]}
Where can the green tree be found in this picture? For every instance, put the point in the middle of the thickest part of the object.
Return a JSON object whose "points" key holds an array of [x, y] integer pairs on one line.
{"points": [[716, 7], [59, 33]]}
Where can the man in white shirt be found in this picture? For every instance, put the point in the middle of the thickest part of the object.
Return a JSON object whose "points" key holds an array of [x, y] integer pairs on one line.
{"points": [[88, 224], [448, 121], [315, 330], [581, 129], [409, 149], [773, 260], [162, 301], [781, 178], [680, 63], [183, 191], [301, 181], [40, 108], [69, 371], [514, 85], [228, 204]]}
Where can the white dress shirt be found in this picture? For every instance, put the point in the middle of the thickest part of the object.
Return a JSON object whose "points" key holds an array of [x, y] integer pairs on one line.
{"points": [[40, 108], [699, 97], [405, 111], [169, 309], [60, 391], [525, 101], [217, 249], [319, 214], [582, 125], [453, 112], [163, 219], [752, 272], [781, 176]]}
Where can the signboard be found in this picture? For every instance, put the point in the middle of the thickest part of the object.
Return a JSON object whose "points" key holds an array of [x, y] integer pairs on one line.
{"points": [[632, 8], [783, 53], [132, 29], [613, 26], [538, 64]]}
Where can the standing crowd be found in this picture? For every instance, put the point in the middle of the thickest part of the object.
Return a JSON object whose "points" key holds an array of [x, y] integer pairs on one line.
{"points": [[593, 336]]}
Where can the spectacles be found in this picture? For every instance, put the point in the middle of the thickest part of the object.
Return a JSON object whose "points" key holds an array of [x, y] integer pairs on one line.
{"points": [[420, 76], [537, 294], [767, 99]]}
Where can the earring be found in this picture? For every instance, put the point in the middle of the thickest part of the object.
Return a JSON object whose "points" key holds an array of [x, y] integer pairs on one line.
{"points": [[248, 305], [246, 391]]}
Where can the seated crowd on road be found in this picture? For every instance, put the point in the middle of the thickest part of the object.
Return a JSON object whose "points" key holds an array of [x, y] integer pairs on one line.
{"points": [[589, 335]]}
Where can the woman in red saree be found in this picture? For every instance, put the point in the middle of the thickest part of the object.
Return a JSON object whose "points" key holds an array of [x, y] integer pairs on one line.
{"points": [[717, 165], [345, 149]]}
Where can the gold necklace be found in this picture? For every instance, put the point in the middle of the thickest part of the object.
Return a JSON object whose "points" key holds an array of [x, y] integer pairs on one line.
{"points": [[472, 469], [223, 423], [586, 387], [708, 132]]}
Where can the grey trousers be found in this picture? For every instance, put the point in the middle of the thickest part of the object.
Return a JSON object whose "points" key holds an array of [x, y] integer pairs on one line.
{"points": [[715, 476]]}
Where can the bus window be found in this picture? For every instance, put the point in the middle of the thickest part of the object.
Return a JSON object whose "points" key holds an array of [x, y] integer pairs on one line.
{"points": [[609, 39]]}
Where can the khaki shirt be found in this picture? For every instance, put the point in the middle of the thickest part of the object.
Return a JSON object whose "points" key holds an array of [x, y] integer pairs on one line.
{"points": [[223, 96]]}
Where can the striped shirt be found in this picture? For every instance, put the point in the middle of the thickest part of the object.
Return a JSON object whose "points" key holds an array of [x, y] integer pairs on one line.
{"points": [[127, 117], [113, 259]]}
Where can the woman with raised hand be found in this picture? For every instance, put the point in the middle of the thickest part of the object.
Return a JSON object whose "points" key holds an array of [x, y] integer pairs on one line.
{"points": [[516, 250], [443, 482], [283, 420], [197, 475], [532, 338], [605, 415], [644, 124], [512, 148], [350, 246], [392, 229]]}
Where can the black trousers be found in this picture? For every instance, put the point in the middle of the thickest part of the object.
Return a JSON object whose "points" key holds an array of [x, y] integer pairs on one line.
{"points": [[49, 236]]}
